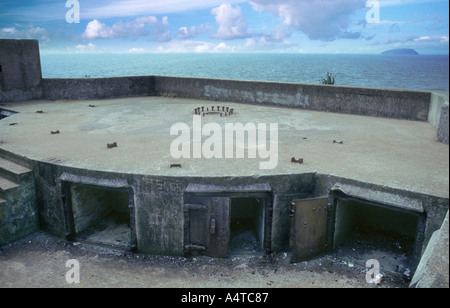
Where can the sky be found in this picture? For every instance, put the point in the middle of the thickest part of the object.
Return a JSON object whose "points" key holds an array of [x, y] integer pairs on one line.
{"points": [[227, 26]]}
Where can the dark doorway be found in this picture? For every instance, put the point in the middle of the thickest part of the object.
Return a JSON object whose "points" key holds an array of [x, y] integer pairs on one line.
{"points": [[100, 215], [247, 228], [223, 224], [365, 230]]}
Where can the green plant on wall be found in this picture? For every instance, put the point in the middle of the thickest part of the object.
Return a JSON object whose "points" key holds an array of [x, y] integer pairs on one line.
{"points": [[329, 80]]}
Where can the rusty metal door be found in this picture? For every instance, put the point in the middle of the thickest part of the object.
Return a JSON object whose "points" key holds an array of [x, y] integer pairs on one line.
{"points": [[207, 226], [308, 223]]}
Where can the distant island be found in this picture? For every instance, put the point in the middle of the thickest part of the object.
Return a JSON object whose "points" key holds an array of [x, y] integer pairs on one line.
{"points": [[401, 52]]}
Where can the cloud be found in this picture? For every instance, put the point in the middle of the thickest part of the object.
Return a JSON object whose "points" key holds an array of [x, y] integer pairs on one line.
{"points": [[190, 32], [232, 24], [124, 8], [137, 50], [415, 41], [190, 46], [436, 40], [27, 32], [325, 20], [278, 34], [144, 26], [257, 44], [385, 3], [86, 48], [95, 29]]}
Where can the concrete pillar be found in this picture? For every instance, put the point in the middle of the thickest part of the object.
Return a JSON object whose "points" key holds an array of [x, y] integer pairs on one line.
{"points": [[443, 125], [20, 70]]}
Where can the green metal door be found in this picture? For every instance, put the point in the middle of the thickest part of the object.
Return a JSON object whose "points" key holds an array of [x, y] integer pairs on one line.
{"points": [[207, 226], [308, 233]]}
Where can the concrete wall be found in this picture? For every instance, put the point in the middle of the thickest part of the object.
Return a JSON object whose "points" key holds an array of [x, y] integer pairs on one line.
{"points": [[20, 74], [442, 135], [97, 88], [401, 104], [159, 202], [434, 208], [18, 211], [438, 115], [432, 271]]}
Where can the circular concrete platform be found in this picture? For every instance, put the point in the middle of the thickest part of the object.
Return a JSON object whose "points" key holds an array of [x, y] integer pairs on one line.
{"points": [[395, 153]]}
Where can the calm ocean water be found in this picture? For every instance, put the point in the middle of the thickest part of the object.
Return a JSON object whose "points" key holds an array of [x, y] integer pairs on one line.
{"points": [[423, 72]]}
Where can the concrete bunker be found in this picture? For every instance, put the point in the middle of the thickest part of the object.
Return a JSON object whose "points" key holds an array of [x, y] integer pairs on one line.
{"points": [[227, 222], [101, 215]]}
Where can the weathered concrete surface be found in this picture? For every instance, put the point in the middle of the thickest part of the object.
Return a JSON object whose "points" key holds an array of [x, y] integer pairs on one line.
{"points": [[396, 153], [20, 76], [384, 155], [18, 211], [400, 104], [438, 100], [443, 128], [438, 114], [433, 269]]}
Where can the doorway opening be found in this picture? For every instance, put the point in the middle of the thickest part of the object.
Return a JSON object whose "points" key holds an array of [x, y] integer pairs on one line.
{"points": [[365, 231], [222, 222], [100, 215], [247, 227]]}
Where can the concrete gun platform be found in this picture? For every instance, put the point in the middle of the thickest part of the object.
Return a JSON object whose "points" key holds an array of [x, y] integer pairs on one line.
{"points": [[400, 154]]}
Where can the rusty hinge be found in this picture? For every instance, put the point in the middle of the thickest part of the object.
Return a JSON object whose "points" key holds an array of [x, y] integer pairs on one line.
{"points": [[292, 210], [194, 247], [212, 229]]}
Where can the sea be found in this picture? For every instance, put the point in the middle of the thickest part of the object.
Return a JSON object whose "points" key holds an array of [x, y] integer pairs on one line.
{"points": [[423, 72]]}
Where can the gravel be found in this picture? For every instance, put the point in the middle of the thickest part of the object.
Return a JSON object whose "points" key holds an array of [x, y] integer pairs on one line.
{"points": [[39, 260]]}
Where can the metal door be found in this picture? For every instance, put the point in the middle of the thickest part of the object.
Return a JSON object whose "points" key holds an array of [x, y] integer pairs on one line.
{"points": [[308, 223], [207, 226]]}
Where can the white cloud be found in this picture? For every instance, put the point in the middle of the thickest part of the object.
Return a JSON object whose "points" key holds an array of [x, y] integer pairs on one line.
{"points": [[433, 39], [414, 41], [95, 29], [9, 30], [144, 26], [324, 20], [190, 32], [253, 44], [137, 50], [232, 24], [28, 32], [385, 3], [88, 48], [188, 46], [124, 8]]}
